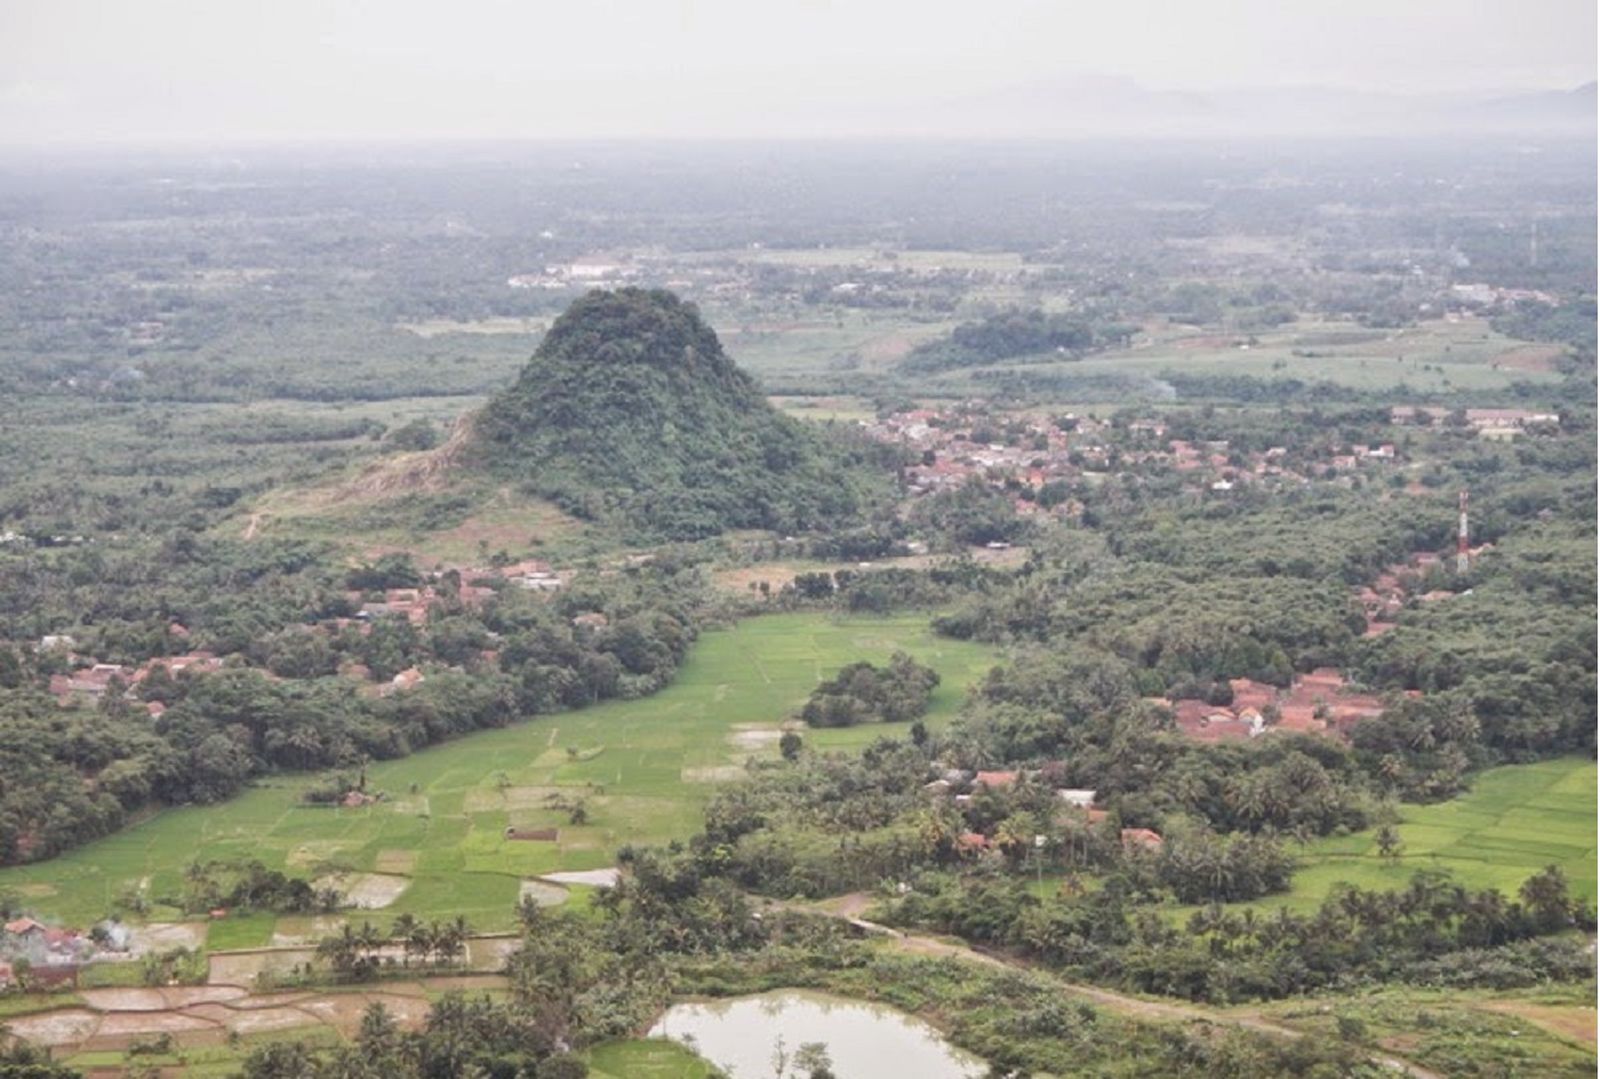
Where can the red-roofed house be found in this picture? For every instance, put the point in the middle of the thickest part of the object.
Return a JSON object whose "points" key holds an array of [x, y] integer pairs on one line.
{"points": [[1142, 838], [995, 780]]}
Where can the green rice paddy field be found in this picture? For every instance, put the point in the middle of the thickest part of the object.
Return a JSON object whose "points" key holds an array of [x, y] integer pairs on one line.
{"points": [[644, 769], [1512, 823], [1433, 356]]}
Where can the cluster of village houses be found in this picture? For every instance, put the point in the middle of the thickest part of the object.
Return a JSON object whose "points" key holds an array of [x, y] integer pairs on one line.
{"points": [[1319, 702], [1047, 452], [1490, 423], [960, 786], [90, 680], [951, 458], [51, 956]]}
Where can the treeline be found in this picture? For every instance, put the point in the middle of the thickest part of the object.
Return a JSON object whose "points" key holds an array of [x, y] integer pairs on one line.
{"points": [[865, 693], [878, 590], [1012, 334], [1569, 323], [120, 602], [1177, 635], [1508, 669], [1429, 933], [971, 515]]}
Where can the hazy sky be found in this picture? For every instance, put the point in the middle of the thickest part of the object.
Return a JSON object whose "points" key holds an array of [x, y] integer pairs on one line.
{"points": [[76, 70]]}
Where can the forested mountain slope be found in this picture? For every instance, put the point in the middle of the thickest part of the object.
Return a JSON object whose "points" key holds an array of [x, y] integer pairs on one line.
{"points": [[630, 410]]}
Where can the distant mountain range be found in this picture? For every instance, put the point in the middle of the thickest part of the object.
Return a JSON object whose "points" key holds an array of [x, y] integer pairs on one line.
{"points": [[1112, 106]]}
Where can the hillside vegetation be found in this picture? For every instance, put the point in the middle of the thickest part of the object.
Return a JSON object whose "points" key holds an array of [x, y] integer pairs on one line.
{"points": [[630, 410]]}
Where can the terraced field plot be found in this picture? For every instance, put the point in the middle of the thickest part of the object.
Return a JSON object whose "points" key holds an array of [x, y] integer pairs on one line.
{"points": [[1433, 356], [1512, 823], [644, 769]]}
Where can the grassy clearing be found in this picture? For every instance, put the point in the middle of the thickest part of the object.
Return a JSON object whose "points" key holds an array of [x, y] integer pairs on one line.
{"points": [[240, 931], [844, 409], [647, 1058], [200, 1060], [643, 768], [15, 1004], [461, 526], [1543, 1032], [441, 327], [809, 343], [1513, 822]]}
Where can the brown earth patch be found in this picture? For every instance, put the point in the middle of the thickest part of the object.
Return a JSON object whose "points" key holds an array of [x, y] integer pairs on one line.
{"points": [[888, 348], [314, 852], [716, 773], [1203, 341], [257, 1020], [1530, 357], [466, 982], [367, 891], [136, 1024], [543, 893], [594, 878], [241, 968], [410, 473], [219, 1014], [203, 1015], [158, 999], [62, 1027], [268, 1001], [489, 799], [164, 936], [1570, 1021], [491, 951], [184, 996], [292, 931], [752, 737], [343, 1011]]}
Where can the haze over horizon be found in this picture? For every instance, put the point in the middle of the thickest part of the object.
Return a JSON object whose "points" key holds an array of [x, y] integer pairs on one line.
{"points": [[78, 71]]}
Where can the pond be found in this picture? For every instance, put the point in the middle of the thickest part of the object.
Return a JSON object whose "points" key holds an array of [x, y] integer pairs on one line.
{"points": [[864, 1041]]}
